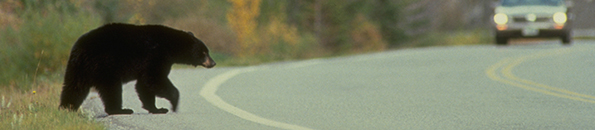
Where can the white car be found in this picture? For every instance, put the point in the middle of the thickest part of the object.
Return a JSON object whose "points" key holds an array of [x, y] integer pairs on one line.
{"points": [[532, 18]]}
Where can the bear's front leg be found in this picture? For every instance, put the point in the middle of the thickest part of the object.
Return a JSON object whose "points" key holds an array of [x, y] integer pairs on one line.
{"points": [[171, 93], [147, 90]]}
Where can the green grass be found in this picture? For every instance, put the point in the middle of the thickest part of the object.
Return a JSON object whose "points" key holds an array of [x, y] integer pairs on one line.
{"points": [[584, 38], [452, 38], [37, 109], [33, 53]]}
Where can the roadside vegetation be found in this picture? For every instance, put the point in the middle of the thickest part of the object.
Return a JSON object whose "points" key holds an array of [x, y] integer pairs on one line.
{"points": [[36, 37], [452, 38], [37, 109]]}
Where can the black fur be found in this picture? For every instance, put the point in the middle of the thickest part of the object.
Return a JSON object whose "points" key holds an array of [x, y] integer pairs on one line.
{"points": [[114, 54]]}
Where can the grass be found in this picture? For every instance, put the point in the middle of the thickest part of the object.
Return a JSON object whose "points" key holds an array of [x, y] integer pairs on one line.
{"points": [[584, 38], [33, 52], [452, 38], [37, 109]]}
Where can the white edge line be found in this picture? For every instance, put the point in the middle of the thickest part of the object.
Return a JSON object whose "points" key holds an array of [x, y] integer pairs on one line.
{"points": [[211, 86]]}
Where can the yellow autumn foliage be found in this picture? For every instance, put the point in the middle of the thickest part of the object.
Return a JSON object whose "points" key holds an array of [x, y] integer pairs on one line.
{"points": [[278, 30], [366, 36], [242, 19]]}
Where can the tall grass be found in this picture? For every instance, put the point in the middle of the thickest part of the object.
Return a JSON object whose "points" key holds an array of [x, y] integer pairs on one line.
{"points": [[34, 47], [37, 109]]}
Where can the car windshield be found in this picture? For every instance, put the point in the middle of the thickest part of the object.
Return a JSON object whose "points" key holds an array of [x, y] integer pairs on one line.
{"points": [[532, 2]]}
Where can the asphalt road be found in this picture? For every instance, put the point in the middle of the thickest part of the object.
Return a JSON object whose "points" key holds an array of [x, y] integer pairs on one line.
{"points": [[535, 85]]}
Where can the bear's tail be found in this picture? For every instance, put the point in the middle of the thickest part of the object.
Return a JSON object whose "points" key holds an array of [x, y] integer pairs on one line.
{"points": [[73, 96]]}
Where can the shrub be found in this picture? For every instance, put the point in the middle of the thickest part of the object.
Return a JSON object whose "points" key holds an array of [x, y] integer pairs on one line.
{"points": [[40, 45]]}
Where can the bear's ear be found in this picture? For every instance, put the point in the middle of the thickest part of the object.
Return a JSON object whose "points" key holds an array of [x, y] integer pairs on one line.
{"points": [[191, 34]]}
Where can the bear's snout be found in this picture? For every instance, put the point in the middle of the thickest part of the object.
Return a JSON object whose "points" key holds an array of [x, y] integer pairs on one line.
{"points": [[209, 63]]}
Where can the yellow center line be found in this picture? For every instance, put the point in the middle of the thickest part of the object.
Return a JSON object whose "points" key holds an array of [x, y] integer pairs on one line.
{"points": [[507, 65]]}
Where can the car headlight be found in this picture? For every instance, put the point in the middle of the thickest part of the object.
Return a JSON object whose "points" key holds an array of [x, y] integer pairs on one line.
{"points": [[560, 18], [501, 18]]}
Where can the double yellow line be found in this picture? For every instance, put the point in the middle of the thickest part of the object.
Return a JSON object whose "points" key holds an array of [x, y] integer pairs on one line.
{"points": [[502, 72]]}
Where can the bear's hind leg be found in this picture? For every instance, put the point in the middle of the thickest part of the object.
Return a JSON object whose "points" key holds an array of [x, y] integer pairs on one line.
{"points": [[111, 95], [73, 96]]}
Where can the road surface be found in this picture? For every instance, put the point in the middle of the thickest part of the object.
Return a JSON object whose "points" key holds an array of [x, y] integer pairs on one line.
{"points": [[541, 85]]}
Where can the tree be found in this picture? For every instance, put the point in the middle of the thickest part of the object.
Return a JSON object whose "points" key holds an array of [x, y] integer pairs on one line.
{"points": [[242, 19]]}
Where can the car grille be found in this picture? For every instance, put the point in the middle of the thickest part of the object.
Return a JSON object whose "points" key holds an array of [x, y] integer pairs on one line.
{"points": [[523, 19]]}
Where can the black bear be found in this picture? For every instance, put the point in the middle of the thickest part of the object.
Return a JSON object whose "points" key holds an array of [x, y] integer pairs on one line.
{"points": [[114, 54]]}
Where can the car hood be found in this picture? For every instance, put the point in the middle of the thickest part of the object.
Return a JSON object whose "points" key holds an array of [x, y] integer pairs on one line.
{"points": [[519, 10]]}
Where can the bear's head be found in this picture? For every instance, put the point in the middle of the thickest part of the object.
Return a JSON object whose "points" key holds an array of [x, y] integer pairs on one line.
{"points": [[201, 54], [193, 51]]}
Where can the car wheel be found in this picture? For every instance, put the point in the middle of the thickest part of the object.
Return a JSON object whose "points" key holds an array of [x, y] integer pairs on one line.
{"points": [[566, 40], [501, 40]]}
